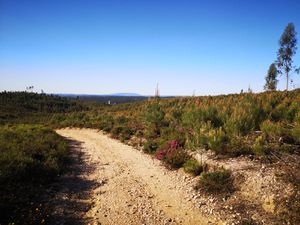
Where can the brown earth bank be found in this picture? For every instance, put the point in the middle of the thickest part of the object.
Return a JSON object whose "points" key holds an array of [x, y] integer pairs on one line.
{"points": [[113, 183]]}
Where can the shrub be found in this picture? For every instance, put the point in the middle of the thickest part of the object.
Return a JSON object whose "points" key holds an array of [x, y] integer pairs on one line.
{"points": [[217, 140], [30, 150], [296, 134], [260, 146], [237, 147], [271, 130], [126, 133], [154, 120], [150, 146], [277, 131], [176, 158], [172, 154], [172, 133], [31, 156], [216, 182], [167, 148], [116, 130], [193, 167], [122, 132]]}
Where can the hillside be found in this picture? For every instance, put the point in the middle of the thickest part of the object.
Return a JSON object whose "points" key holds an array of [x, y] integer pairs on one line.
{"points": [[27, 106], [228, 124], [242, 149]]}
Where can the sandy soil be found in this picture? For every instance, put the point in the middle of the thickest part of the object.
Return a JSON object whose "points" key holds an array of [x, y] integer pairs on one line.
{"points": [[132, 187]]}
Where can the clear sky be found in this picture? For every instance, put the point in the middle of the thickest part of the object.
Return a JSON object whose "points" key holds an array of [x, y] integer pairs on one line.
{"points": [[100, 47]]}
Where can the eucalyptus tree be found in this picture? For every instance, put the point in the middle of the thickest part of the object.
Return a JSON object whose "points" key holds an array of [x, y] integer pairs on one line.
{"points": [[287, 49]]}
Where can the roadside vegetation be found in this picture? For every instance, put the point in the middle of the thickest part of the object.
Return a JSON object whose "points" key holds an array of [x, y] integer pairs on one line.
{"points": [[31, 156], [245, 124], [262, 125]]}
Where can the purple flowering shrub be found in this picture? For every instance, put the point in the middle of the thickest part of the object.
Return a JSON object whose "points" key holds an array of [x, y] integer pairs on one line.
{"points": [[173, 155]]}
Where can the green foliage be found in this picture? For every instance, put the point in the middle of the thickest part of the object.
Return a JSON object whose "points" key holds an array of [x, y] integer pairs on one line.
{"points": [[296, 134], [216, 182], [278, 132], [226, 124], [30, 152], [193, 167], [287, 50], [154, 119], [176, 158], [271, 78], [30, 157], [245, 117], [217, 140], [259, 147], [150, 146], [271, 130], [23, 102]]}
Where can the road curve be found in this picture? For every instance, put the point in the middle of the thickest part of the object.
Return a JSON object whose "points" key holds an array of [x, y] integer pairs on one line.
{"points": [[133, 187]]}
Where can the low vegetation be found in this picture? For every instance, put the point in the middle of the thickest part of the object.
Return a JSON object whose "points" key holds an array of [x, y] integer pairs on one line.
{"points": [[219, 181], [30, 157], [193, 167]]}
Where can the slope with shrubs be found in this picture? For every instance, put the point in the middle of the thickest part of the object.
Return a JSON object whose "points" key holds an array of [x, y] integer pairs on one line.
{"points": [[233, 125], [228, 124], [261, 125]]}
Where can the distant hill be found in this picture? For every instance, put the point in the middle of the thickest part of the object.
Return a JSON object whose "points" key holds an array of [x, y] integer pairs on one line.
{"points": [[111, 99], [126, 94], [28, 102], [19, 106]]}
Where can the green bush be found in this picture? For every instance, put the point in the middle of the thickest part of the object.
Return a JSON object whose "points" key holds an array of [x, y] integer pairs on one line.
{"points": [[176, 158], [193, 167], [271, 129], [278, 131], [150, 146], [216, 182], [217, 140], [260, 146], [238, 146], [117, 130], [31, 156], [154, 119], [30, 152], [296, 134]]}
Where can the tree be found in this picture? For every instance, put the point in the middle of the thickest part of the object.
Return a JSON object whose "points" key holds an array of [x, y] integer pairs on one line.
{"points": [[154, 119], [287, 50], [271, 81]]}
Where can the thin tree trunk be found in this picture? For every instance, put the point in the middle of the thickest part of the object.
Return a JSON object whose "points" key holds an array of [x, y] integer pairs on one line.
{"points": [[287, 81]]}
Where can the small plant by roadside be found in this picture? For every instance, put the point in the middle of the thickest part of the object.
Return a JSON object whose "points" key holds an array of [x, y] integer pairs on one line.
{"points": [[216, 182], [176, 158], [193, 167], [260, 147], [173, 155], [150, 146]]}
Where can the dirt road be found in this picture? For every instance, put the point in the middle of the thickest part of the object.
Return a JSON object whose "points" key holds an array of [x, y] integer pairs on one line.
{"points": [[132, 187]]}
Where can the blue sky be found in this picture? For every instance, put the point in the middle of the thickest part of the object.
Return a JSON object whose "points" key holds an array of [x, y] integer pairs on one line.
{"points": [[98, 47]]}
